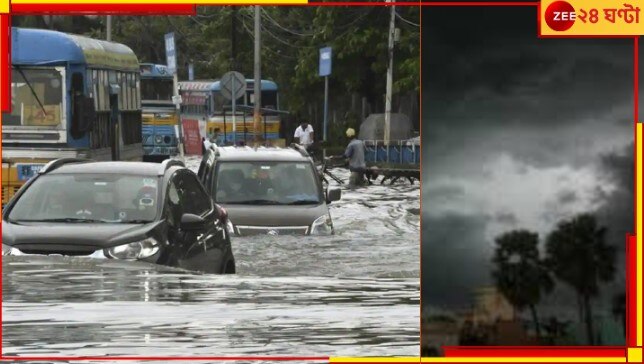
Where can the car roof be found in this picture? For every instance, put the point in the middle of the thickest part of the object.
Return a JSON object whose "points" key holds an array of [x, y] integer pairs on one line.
{"points": [[263, 154], [132, 168]]}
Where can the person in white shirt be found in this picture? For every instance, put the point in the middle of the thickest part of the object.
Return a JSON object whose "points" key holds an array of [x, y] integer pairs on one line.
{"points": [[304, 135]]}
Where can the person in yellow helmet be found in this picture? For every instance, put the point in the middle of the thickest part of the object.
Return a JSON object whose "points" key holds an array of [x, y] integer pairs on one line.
{"points": [[355, 154]]}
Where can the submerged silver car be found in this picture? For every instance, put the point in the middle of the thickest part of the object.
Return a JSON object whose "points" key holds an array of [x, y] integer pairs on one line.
{"points": [[268, 190]]}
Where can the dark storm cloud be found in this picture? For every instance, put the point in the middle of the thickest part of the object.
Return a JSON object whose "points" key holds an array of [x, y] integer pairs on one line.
{"points": [[617, 212], [453, 258], [446, 193], [506, 218], [492, 89], [477, 26], [619, 166], [481, 74], [566, 197]]}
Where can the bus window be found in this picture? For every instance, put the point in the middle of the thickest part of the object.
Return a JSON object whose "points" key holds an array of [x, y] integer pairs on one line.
{"points": [[269, 99], [220, 102], [156, 89], [124, 101], [42, 110]]}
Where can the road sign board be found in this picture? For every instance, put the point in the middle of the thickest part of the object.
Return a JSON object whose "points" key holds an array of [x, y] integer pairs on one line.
{"points": [[170, 53], [325, 61], [232, 84]]}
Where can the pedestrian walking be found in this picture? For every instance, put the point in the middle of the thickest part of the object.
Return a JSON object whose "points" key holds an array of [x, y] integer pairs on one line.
{"points": [[304, 135], [355, 154]]}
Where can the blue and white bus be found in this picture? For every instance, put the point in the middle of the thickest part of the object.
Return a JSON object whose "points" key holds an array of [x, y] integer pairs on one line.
{"points": [[203, 101], [71, 96], [160, 116]]}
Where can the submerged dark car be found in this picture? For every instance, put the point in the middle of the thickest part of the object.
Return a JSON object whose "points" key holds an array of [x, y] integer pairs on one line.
{"points": [[268, 190], [156, 213]]}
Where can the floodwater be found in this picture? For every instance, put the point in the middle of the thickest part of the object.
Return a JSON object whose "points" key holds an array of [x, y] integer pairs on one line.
{"points": [[355, 293]]}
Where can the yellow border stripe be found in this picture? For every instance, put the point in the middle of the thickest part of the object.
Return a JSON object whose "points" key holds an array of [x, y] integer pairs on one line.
{"points": [[634, 355], [638, 219], [476, 360]]}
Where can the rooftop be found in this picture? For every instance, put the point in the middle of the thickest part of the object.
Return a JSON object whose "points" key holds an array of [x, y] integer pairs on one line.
{"points": [[40, 47]]}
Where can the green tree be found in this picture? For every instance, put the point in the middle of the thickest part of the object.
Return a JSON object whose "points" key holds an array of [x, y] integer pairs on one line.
{"points": [[291, 39], [578, 255], [519, 273]]}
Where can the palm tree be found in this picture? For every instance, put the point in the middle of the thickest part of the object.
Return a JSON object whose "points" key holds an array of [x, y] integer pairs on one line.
{"points": [[519, 273], [577, 254]]}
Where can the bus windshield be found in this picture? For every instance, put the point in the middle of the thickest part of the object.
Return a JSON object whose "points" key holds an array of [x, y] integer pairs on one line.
{"points": [[269, 99], [158, 89], [40, 105]]}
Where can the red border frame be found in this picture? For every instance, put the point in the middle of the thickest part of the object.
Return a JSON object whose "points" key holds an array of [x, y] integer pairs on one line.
{"points": [[188, 9], [631, 241]]}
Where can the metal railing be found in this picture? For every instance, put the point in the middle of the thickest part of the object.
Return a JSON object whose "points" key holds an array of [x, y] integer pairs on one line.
{"points": [[397, 152]]}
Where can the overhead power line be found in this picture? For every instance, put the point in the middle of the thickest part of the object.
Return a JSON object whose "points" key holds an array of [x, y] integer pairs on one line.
{"points": [[265, 13], [250, 32], [405, 20]]}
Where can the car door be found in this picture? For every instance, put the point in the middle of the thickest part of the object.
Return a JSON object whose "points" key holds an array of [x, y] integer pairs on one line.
{"points": [[203, 249], [172, 212]]}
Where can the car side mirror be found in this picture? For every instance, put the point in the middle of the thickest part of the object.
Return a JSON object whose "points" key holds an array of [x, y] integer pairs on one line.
{"points": [[192, 222], [333, 194]]}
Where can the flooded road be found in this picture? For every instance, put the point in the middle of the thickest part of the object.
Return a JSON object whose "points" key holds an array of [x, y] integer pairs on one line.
{"points": [[355, 293]]}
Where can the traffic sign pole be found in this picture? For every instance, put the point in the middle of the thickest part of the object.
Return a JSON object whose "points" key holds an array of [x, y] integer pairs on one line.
{"points": [[325, 71], [233, 86], [326, 104], [175, 81], [171, 60], [234, 114]]}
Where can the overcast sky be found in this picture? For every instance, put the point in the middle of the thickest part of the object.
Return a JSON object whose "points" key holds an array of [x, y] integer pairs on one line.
{"points": [[518, 132]]}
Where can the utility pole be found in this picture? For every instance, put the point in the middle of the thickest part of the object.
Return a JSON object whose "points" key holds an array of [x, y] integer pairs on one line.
{"points": [[233, 40], [258, 75], [326, 105], [176, 93], [109, 28], [390, 71]]}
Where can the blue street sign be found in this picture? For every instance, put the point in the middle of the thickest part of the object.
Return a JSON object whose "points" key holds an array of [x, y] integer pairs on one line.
{"points": [[191, 72], [170, 53], [27, 171], [325, 61]]}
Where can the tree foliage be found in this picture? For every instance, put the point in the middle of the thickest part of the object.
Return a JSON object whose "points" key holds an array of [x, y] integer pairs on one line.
{"points": [[520, 274], [291, 38], [579, 256]]}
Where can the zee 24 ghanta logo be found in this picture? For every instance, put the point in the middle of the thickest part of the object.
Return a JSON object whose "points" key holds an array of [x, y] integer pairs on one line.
{"points": [[561, 15]]}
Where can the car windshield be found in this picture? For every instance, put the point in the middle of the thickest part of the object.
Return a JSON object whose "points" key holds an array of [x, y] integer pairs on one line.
{"points": [[105, 198], [266, 183]]}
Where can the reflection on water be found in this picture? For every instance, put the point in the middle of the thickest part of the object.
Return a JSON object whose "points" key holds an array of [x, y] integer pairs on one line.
{"points": [[356, 293]]}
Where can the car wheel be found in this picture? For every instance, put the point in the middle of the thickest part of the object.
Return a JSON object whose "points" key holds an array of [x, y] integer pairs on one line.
{"points": [[229, 264]]}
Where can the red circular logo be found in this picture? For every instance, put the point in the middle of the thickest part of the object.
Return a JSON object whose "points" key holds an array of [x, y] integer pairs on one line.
{"points": [[560, 16]]}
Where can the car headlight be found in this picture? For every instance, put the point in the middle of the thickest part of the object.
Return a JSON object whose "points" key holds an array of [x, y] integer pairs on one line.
{"points": [[6, 250], [133, 251], [158, 139], [230, 227], [9, 250], [322, 226]]}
